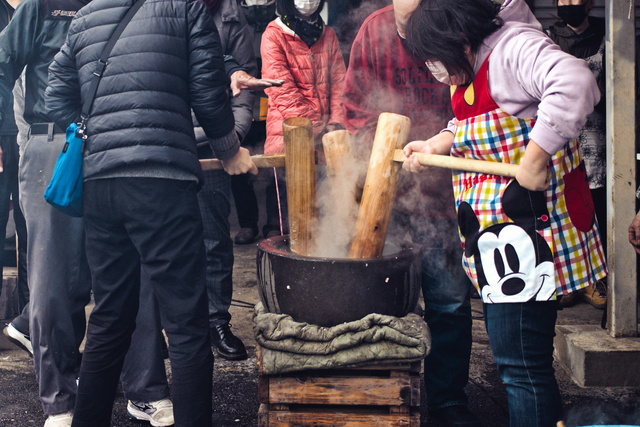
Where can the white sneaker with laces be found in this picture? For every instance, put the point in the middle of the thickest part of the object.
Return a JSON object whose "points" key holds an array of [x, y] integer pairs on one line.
{"points": [[18, 338], [158, 413], [59, 420]]}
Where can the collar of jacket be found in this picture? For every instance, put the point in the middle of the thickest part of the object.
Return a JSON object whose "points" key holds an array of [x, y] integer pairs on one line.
{"points": [[229, 10], [259, 15], [288, 30]]}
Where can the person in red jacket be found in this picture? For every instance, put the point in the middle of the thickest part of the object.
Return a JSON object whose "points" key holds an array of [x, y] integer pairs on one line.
{"points": [[384, 77], [300, 49]]}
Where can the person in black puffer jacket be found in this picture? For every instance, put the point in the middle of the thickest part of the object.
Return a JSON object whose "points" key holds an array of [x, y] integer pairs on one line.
{"points": [[141, 176]]}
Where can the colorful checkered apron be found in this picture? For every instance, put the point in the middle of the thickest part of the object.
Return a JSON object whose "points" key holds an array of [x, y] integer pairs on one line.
{"points": [[520, 245]]}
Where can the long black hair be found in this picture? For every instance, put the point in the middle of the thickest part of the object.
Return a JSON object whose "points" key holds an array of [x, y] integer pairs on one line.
{"points": [[286, 7], [441, 30]]}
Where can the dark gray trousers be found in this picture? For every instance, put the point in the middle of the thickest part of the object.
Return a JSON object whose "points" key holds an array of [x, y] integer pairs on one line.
{"points": [[59, 279]]}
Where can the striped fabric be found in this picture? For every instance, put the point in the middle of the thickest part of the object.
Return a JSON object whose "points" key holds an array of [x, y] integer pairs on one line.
{"points": [[498, 136]]}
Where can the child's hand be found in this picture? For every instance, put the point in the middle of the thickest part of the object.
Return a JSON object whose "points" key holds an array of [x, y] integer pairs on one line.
{"points": [[331, 127], [412, 164], [534, 180], [533, 171], [439, 144]]}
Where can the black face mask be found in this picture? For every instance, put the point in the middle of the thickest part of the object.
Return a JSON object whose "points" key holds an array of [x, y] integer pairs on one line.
{"points": [[572, 15]]}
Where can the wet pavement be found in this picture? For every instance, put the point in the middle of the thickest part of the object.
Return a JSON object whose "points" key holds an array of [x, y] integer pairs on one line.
{"points": [[235, 399]]}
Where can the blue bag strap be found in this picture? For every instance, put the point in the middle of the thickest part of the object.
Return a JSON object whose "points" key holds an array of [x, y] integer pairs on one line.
{"points": [[102, 62]]}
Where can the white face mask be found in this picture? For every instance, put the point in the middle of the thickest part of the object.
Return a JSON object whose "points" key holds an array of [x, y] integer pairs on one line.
{"points": [[306, 8], [256, 2], [441, 74]]}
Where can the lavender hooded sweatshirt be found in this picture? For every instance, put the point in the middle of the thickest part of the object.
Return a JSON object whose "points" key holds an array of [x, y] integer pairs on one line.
{"points": [[530, 76]]}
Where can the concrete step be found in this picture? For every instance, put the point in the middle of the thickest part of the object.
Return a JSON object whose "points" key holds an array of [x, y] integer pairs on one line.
{"points": [[593, 358]]}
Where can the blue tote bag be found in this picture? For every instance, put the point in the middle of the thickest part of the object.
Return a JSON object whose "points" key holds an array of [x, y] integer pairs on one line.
{"points": [[64, 191]]}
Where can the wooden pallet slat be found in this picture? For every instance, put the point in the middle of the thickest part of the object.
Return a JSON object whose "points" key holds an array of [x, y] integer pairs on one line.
{"points": [[312, 417], [376, 395], [344, 390]]}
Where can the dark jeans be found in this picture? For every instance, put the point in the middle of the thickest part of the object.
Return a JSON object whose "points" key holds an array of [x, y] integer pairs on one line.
{"points": [[150, 227], [446, 291], [144, 377], [8, 194], [245, 200], [214, 199], [521, 337]]}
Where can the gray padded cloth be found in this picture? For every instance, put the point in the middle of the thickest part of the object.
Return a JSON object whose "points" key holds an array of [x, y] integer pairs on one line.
{"points": [[289, 346]]}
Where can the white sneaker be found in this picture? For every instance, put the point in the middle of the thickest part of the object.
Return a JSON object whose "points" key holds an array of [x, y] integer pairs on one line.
{"points": [[59, 420], [18, 338], [159, 413]]}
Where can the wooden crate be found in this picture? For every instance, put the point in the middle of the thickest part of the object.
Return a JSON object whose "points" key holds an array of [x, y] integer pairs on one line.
{"points": [[367, 396]]}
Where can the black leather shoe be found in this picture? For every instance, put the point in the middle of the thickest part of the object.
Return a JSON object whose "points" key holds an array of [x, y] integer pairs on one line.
{"points": [[456, 415], [227, 345], [272, 233], [246, 235]]}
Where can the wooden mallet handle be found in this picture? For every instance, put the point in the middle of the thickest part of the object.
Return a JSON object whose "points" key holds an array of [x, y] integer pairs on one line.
{"points": [[469, 165], [261, 161], [437, 160]]}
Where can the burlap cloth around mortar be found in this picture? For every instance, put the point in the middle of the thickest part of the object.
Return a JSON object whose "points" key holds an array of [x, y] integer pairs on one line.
{"points": [[289, 346]]}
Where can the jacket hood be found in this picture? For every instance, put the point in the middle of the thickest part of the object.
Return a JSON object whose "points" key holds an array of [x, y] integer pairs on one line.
{"points": [[516, 13], [259, 15], [228, 9], [517, 18]]}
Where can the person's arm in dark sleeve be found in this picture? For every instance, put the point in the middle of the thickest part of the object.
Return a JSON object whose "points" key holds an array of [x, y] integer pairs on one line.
{"points": [[62, 96], [209, 82], [231, 65], [17, 42], [239, 58]]}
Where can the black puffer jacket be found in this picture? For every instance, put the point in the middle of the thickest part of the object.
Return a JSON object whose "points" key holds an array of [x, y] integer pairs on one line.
{"points": [[167, 61]]}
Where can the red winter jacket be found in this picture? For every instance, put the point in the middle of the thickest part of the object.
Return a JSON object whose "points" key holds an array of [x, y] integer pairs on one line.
{"points": [[313, 81]]}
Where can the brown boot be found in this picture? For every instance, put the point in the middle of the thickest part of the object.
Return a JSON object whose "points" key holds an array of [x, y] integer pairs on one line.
{"points": [[596, 294], [569, 300]]}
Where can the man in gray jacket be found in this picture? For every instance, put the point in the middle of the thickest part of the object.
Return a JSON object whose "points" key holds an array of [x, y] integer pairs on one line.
{"points": [[141, 179], [215, 196], [59, 279]]}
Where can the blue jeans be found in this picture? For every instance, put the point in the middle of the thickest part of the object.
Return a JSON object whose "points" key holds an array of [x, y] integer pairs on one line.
{"points": [[521, 337], [214, 199], [446, 292]]}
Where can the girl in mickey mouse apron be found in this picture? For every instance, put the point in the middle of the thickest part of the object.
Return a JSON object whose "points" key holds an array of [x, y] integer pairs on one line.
{"points": [[517, 99]]}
